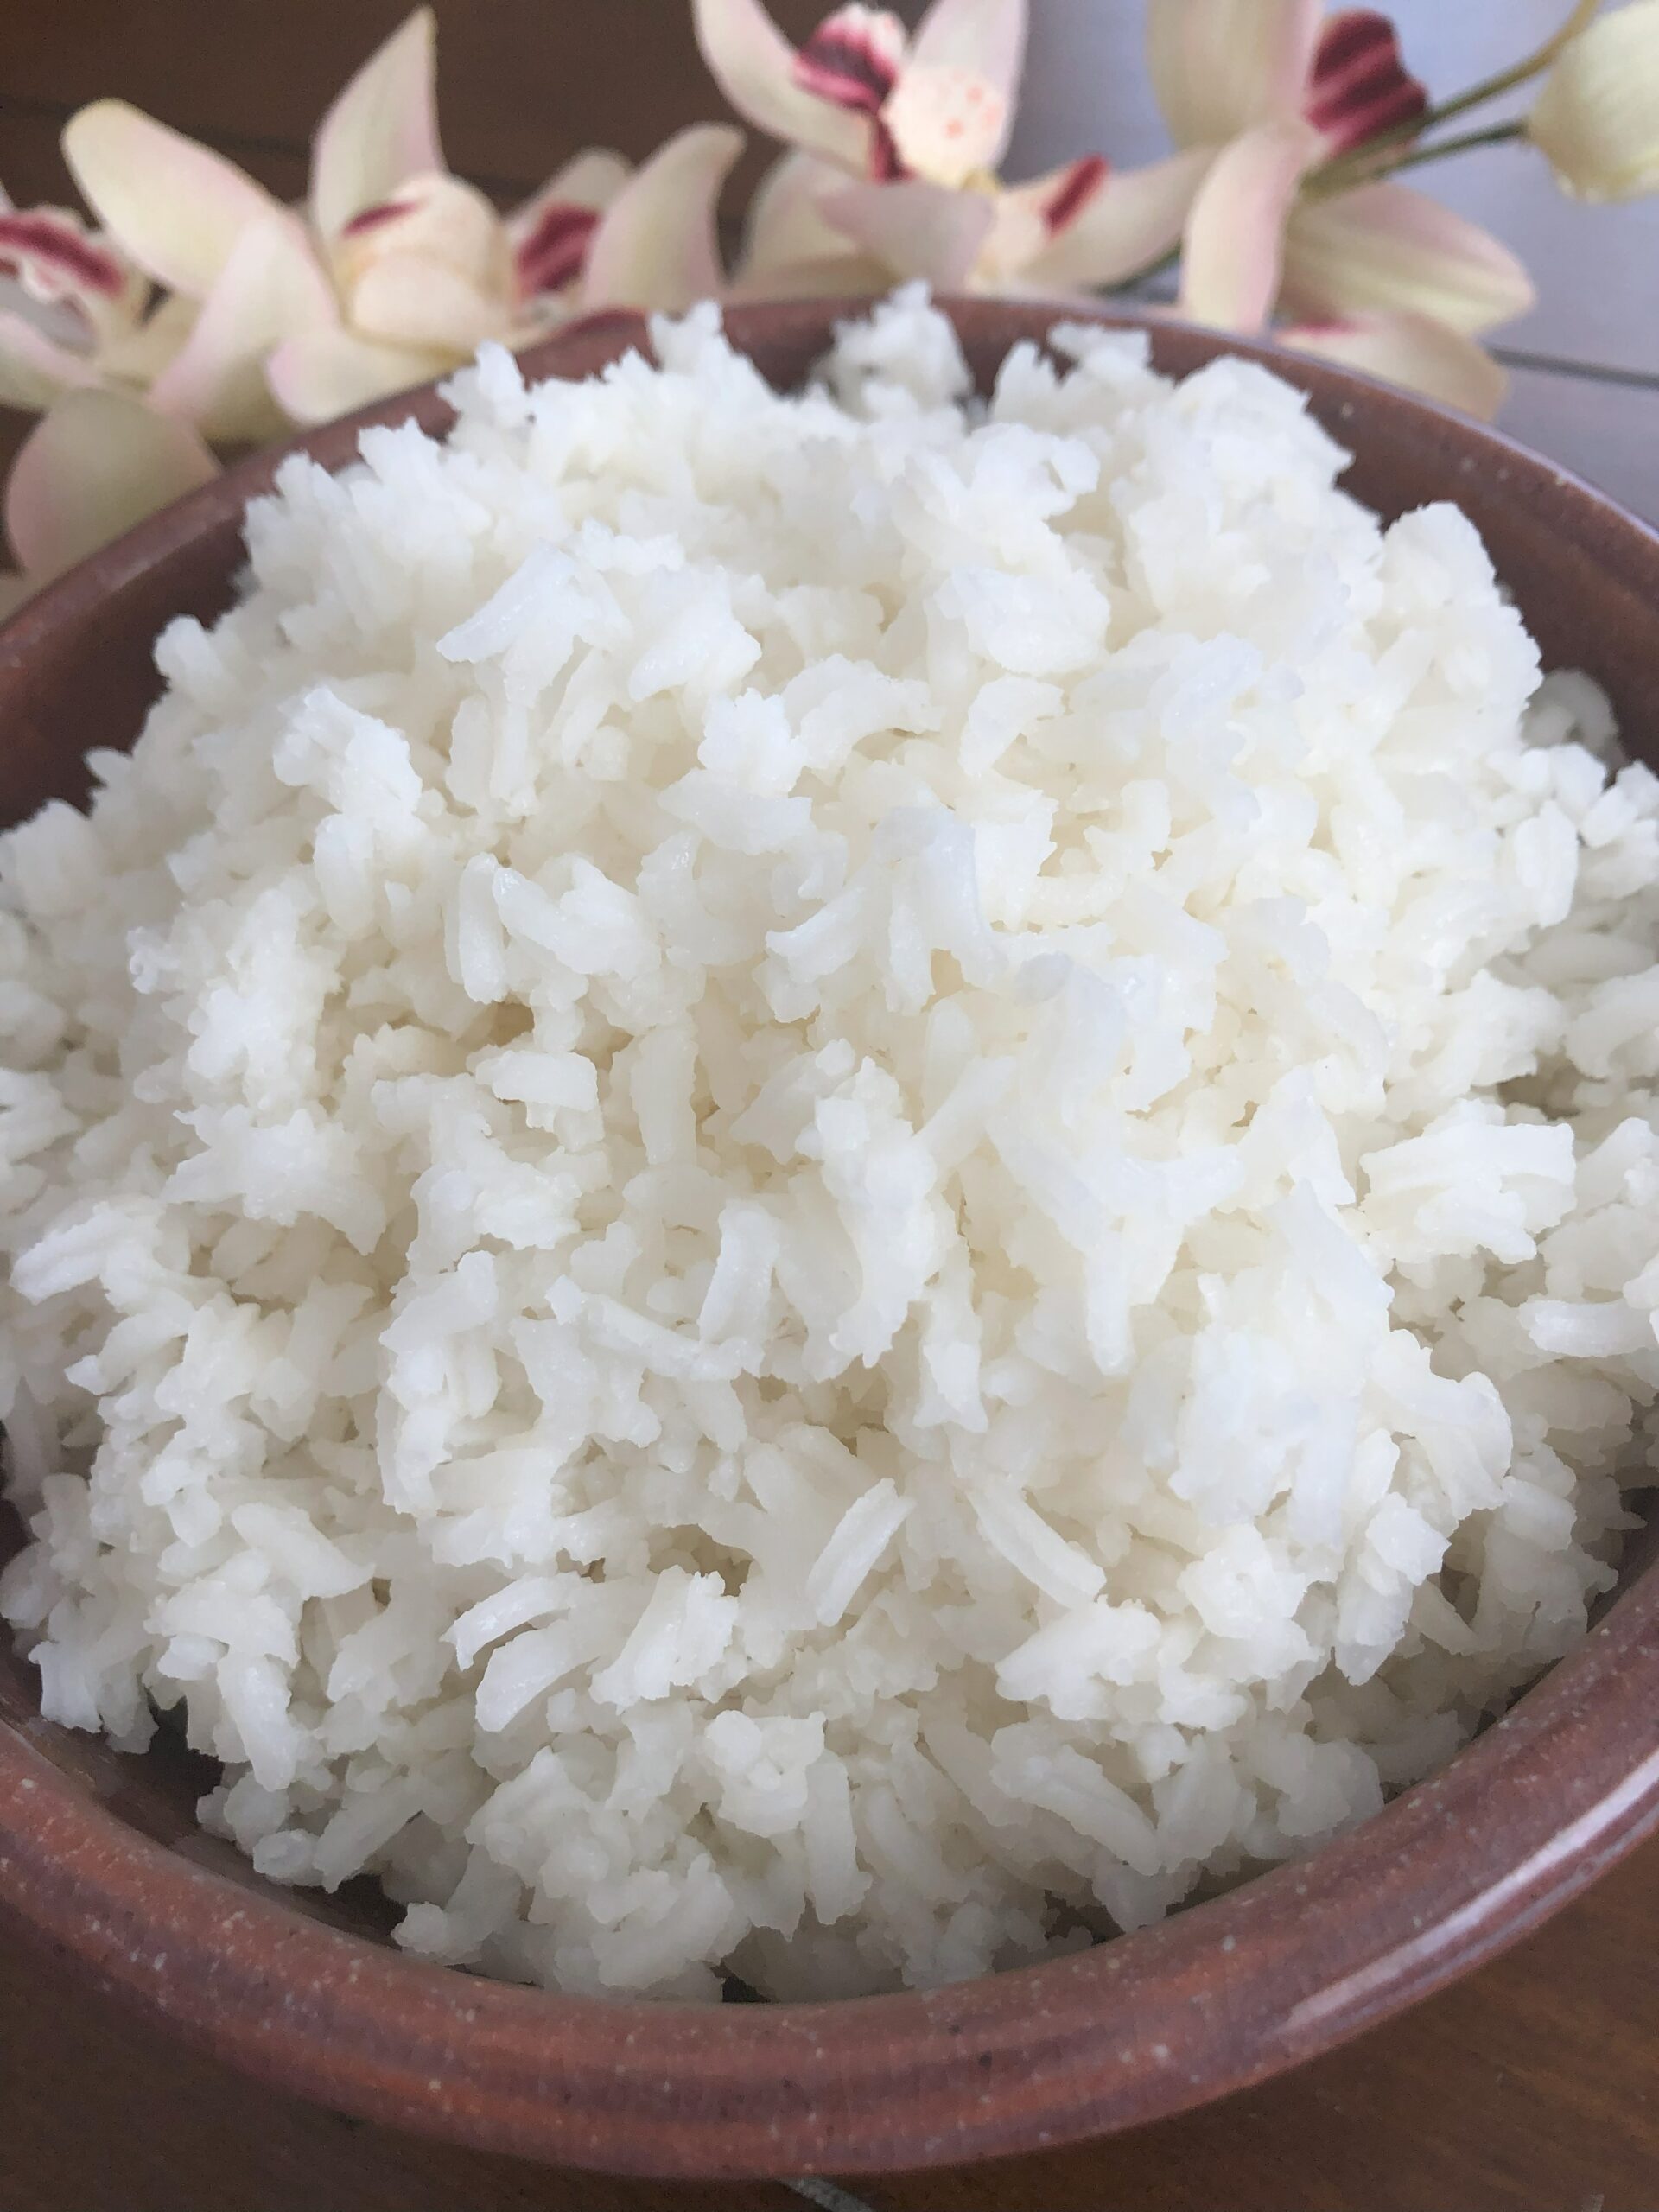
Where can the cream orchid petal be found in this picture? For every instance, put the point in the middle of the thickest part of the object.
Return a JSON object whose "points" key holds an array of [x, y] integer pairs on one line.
{"points": [[986, 37], [34, 369], [1384, 248], [1233, 256], [916, 229], [1029, 217], [790, 249], [1220, 67], [406, 300], [172, 206], [787, 225], [434, 218], [657, 244], [982, 39], [1597, 120], [1412, 350], [1104, 231], [328, 373], [136, 358], [1359, 85], [381, 131], [271, 287], [755, 65], [99, 462]]}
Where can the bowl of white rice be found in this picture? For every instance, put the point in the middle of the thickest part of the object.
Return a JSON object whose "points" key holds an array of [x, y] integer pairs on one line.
{"points": [[829, 1183]]}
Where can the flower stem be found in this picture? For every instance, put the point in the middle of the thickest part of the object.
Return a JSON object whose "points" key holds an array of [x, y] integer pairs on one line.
{"points": [[1324, 185], [1360, 165]]}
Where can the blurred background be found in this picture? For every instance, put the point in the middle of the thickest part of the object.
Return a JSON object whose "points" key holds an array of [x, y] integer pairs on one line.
{"points": [[525, 83]]}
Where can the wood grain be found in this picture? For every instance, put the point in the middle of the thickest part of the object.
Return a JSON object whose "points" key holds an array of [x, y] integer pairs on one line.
{"points": [[1530, 2087]]}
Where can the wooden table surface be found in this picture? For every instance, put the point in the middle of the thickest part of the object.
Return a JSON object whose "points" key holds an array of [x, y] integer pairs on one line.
{"points": [[1531, 2087]]}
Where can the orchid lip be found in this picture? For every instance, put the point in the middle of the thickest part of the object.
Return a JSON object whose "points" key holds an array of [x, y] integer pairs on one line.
{"points": [[554, 253], [63, 322], [50, 247], [1359, 86], [945, 123], [844, 63]]}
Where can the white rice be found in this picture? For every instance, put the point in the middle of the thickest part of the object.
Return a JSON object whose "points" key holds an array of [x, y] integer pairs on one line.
{"points": [[827, 1187]]}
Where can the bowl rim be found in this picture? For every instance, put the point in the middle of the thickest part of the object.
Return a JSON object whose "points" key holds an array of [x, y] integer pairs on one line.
{"points": [[1221, 1995]]}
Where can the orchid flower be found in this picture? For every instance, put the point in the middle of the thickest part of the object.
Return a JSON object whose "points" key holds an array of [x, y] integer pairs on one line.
{"points": [[393, 273], [1377, 276], [71, 305], [896, 140], [397, 269], [1597, 119], [77, 343]]}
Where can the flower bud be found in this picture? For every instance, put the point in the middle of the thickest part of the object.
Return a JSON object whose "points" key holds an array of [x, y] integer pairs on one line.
{"points": [[1597, 120]]}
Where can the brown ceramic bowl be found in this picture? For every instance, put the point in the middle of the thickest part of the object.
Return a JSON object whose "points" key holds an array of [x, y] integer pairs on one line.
{"points": [[99, 1853]]}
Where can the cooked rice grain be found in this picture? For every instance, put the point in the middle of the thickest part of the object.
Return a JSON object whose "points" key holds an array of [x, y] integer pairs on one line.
{"points": [[827, 1185]]}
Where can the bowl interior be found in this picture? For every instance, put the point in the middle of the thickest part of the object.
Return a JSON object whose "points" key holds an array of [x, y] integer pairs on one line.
{"points": [[76, 671]]}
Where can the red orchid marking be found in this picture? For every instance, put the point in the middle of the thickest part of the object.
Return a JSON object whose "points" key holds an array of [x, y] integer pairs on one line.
{"points": [[843, 63], [973, 96], [1074, 191], [1360, 85], [886, 167], [373, 218], [552, 255], [57, 251]]}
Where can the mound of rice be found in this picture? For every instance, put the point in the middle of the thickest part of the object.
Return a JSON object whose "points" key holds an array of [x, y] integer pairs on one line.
{"points": [[826, 1187]]}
